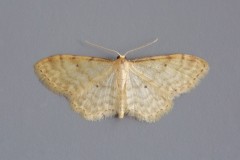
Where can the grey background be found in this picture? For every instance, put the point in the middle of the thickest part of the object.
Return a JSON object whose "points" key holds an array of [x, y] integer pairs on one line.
{"points": [[37, 124]]}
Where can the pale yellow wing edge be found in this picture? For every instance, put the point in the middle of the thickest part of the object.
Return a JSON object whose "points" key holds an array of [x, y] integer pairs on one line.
{"points": [[70, 95], [48, 82], [203, 72], [169, 104]]}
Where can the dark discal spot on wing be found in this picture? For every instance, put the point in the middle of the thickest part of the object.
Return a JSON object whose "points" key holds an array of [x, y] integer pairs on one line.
{"points": [[152, 59]]}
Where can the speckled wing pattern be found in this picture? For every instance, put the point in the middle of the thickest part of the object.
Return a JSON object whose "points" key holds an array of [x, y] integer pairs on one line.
{"points": [[155, 81], [87, 82]]}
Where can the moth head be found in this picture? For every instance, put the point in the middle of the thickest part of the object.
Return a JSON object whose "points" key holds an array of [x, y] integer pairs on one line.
{"points": [[121, 56]]}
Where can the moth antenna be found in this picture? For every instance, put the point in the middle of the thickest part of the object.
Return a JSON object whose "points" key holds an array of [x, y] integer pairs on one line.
{"points": [[103, 48], [140, 47]]}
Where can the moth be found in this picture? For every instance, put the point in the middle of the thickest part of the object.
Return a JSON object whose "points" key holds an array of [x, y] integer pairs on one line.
{"points": [[143, 88]]}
